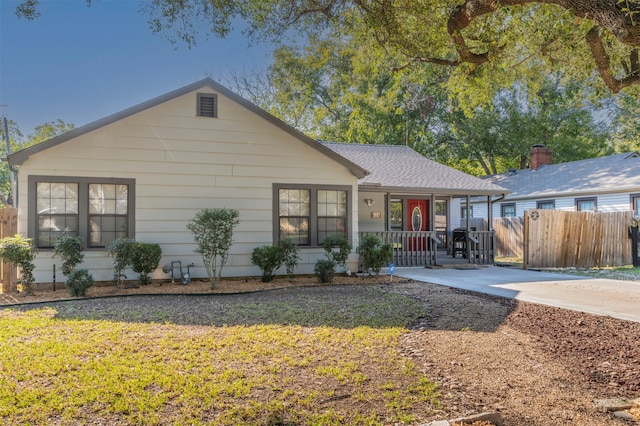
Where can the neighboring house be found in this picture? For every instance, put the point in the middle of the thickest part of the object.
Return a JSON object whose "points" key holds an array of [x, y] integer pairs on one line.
{"points": [[602, 184], [144, 172]]}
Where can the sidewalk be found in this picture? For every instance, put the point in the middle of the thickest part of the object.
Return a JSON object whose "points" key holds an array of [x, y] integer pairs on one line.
{"points": [[619, 299]]}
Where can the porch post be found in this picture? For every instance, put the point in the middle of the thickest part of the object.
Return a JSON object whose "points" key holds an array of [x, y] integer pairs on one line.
{"points": [[490, 214], [468, 228]]}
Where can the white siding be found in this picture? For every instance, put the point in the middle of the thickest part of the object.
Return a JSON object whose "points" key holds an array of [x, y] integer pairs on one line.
{"points": [[183, 163], [605, 203]]}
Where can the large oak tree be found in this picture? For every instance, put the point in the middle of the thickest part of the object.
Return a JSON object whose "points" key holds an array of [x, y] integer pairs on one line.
{"points": [[483, 39]]}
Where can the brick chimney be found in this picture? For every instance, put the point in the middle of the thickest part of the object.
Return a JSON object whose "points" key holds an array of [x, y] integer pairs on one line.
{"points": [[540, 155]]}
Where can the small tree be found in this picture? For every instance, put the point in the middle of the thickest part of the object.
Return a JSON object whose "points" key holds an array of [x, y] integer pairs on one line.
{"points": [[374, 254], [212, 231], [289, 256], [20, 252], [69, 250], [145, 258], [340, 242], [120, 251]]}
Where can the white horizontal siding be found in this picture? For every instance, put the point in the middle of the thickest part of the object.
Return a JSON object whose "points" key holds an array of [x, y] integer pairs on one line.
{"points": [[182, 164]]}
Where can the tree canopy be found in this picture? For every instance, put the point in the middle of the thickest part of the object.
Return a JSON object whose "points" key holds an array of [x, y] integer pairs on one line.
{"points": [[489, 43]]}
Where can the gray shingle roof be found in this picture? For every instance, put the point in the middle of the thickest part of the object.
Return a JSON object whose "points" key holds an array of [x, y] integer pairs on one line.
{"points": [[399, 167], [613, 173]]}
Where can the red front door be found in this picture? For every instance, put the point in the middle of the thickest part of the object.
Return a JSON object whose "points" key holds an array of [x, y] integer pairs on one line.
{"points": [[418, 215], [417, 220]]}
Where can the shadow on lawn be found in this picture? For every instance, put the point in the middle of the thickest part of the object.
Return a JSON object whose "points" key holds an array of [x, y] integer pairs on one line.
{"points": [[379, 306]]}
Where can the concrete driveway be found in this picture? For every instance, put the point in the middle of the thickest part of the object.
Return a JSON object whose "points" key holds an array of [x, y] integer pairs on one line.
{"points": [[619, 299]]}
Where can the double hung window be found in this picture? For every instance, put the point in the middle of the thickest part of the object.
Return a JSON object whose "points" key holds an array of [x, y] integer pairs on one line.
{"points": [[309, 214], [98, 210]]}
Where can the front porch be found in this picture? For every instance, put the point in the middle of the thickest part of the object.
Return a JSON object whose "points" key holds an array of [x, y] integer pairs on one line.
{"points": [[434, 248]]}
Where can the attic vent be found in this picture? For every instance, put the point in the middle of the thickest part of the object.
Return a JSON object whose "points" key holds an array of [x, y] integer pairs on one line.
{"points": [[207, 105]]}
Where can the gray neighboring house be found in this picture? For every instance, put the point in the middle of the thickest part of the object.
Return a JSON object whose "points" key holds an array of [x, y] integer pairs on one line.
{"points": [[602, 184]]}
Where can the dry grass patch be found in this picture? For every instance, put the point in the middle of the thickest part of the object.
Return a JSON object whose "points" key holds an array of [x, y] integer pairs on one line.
{"points": [[72, 371]]}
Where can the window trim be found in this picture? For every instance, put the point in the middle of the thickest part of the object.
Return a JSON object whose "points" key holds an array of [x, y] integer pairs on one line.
{"points": [[553, 204], [595, 203], [504, 205], [83, 204], [632, 198], [215, 105], [313, 206]]}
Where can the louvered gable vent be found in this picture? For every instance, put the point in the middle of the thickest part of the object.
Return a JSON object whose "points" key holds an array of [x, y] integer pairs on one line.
{"points": [[207, 105]]}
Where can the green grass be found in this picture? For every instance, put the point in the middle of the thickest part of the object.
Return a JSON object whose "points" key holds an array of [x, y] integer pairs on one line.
{"points": [[57, 369]]}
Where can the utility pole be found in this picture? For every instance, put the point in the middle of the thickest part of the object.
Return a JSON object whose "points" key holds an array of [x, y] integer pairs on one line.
{"points": [[11, 199]]}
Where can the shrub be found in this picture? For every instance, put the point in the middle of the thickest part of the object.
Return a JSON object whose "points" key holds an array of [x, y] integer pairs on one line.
{"points": [[145, 258], [268, 259], [78, 282], [20, 252], [212, 230], [69, 249], [374, 254], [325, 270], [344, 248], [289, 256], [120, 251]]}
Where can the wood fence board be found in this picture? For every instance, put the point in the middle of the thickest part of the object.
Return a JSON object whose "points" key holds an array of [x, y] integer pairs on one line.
{"points": [[8, 228]]}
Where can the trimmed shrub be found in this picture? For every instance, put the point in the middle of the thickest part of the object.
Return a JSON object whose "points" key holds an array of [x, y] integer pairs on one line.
{"points": [[20, 252], [325, 269], [268, 259], [78, 282], [145, 258], [120, 251], [69, 249], [289, 256], [374, 254], [340, 242]]}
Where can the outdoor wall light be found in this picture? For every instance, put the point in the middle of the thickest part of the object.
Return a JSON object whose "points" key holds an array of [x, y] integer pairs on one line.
{"points": [[369, 201]]}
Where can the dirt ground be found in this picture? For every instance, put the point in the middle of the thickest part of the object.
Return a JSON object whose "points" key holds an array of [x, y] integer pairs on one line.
{"points": [[534, 364]]}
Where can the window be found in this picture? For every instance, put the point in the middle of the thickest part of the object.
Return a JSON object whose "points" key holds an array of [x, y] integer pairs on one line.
{"points": [[207, 105], [307, 215], [396, 215], [508, 210], [98, 210], [546, 205], [463, 212], [586, 204], [635, 204]]}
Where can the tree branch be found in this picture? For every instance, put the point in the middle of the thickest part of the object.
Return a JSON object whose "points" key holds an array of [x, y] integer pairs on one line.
{"points": [[603, 63]]}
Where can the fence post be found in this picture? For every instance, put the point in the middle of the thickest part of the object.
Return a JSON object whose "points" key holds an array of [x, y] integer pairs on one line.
{"points": [[525, 241]]}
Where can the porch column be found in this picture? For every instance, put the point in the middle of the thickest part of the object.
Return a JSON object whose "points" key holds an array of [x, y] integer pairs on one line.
{"points": [[490, 214]]}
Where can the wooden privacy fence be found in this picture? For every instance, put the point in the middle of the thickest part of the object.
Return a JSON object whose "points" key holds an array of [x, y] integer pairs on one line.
{"points": [[564, 239], [8, 228]]}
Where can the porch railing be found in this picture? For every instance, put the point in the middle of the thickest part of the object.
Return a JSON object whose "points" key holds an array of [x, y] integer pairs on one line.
{"points": [[421, 248], [411, 248], [481, 247]]}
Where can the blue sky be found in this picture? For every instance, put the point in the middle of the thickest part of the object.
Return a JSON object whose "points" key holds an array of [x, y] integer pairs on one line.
{"points": [[79, 63]]}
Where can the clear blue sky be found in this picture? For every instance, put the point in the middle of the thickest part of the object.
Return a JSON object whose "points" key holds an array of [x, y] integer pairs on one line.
{"points": [[79, 63]]}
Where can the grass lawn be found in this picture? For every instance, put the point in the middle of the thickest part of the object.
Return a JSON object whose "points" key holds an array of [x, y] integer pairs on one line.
{"points": [[60, 366]]}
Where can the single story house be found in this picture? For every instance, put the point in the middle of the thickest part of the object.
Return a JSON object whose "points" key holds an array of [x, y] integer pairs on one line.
{"points": [[145, 172], [602, 184]]}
